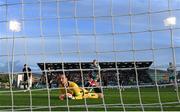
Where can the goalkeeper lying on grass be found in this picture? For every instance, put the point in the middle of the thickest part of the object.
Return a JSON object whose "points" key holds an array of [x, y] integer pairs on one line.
{"points": [[71, 90]]}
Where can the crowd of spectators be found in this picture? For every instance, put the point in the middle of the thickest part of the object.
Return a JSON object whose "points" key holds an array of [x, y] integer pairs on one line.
{"points": [[108, 78]]}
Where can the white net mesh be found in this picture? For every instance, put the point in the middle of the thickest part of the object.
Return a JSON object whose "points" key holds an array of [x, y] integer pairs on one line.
{"points": [[135, 42]]}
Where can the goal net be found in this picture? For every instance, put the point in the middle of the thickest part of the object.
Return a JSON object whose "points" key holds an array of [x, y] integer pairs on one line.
{"points": [[135, 43]]}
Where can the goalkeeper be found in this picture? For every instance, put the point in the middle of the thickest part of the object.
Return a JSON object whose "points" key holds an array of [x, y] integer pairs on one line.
{"points": [[71, 90]]}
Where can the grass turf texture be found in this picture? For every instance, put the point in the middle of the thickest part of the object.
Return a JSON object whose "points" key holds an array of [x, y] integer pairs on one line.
{"points": [[112, 99]]}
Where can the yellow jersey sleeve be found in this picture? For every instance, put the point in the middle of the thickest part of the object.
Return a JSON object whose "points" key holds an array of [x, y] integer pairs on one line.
{"points": [[73, 89]]}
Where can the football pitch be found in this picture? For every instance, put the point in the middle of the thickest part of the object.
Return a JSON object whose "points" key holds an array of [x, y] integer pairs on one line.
{"points": [[114, 100]]}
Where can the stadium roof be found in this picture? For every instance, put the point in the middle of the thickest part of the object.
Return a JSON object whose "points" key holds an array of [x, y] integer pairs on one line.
{"points": [[87, 65]]}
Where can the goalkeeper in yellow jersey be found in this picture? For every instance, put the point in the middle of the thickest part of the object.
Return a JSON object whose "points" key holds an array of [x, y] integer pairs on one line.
{"points": [[71, 90]]}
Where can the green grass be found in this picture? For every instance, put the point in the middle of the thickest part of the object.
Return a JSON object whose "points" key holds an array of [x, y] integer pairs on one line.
{"points": [[130, 97]]}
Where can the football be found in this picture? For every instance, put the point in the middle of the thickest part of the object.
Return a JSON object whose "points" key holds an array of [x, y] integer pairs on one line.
{"points": [[69, 96]]}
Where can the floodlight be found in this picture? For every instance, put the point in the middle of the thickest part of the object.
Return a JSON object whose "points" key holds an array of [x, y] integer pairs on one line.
{"points": [[170, 21], [15, 26]]}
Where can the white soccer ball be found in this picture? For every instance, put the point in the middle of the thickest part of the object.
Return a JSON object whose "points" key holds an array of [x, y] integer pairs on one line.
{"points": [[69, 96]]}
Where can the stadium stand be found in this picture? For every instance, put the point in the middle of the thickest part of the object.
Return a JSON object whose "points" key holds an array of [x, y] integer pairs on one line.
{"points": [[109, 70]]}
